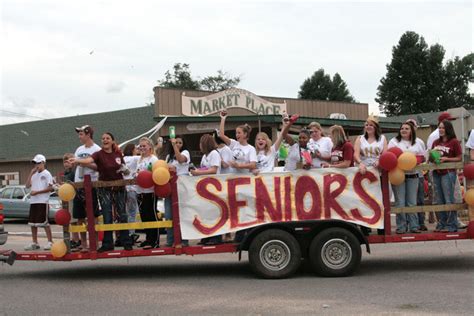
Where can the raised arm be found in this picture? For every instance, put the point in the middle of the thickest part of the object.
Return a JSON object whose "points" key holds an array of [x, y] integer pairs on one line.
{"points": [[222, 135], [284, 133]]}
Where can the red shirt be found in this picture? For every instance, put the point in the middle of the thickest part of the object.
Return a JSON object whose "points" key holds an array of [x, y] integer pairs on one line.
{"points": [[449, 149], [108, 164], [343, 152]]}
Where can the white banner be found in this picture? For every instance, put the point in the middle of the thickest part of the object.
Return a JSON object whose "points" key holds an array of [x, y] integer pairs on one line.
{"points": [[231, 98], [215, 205]]}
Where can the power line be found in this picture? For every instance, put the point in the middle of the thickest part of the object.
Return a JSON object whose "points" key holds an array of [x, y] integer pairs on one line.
{"points": [[22, 114]]}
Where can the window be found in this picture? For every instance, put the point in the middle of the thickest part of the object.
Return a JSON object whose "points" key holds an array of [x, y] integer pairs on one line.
{"points": [[18, 194], [7, 193]]}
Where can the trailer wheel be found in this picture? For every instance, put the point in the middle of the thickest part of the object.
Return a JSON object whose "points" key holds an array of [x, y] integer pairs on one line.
{"points": [[274, 254], [335, 252]]}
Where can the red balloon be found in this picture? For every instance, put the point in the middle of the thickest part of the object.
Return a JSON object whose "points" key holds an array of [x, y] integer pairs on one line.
{"points": [[469, 171], [397, 151], [388, 161], [62, 217], [163, 191], [145, 179]]}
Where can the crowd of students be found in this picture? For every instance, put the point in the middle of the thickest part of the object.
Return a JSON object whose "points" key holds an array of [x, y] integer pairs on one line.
{"points": [[224, 155]]}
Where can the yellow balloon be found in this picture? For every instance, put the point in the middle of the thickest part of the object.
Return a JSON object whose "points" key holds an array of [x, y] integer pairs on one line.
{"points": [[59, 249], [396, 176], [407, 161], [469, 196], [161, 176], [66, 192], [159, 164]]}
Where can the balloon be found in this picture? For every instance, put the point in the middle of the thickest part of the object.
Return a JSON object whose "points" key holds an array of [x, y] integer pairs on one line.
{"points": [[161, 176], [145, 179], [62, 217], [388, 161], [396, 176], [469, 197], [66, 192], [397, 151], [158, 164], [163, 191], [469, 171], [407, 161], [59, 249], [435, 156]]}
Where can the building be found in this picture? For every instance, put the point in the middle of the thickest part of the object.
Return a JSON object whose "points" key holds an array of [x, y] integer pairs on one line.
{"points": [[191, 112]]}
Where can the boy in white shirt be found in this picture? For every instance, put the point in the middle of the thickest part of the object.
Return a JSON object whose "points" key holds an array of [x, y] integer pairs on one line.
{"points": [[41, 183]]}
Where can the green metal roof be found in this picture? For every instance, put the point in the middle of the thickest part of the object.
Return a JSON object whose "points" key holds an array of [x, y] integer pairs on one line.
{"points": [[54, 137]]}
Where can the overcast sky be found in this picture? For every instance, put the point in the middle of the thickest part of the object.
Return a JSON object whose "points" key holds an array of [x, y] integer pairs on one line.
{"points": [[63, 58]]}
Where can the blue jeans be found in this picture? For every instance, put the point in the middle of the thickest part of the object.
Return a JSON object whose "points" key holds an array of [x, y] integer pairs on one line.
{"points": [[444, 186], [405, 195], [420, 199], [114, 197], [170, 231], [132, 208]]}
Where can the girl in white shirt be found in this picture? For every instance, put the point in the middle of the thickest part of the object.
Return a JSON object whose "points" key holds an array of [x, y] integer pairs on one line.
{"points": [[226, 155], [210, 164], [319, 145], [245, 156], [267, 152], [178, 159], [369, 147], [406, 193]]}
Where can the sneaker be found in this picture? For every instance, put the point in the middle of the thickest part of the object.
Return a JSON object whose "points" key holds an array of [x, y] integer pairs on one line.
{"points": [[144, 243], [128, 247], [415, 231], [135, 238], [48, 246], [462, 225], [118, 243], [32, 246], [423, 228]]}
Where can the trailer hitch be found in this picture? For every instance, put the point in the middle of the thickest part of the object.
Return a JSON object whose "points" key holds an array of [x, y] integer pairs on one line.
{"points": [[8, 257]]}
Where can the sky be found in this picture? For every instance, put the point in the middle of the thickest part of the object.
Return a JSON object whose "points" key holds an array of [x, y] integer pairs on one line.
{"points": [[66, 58]]}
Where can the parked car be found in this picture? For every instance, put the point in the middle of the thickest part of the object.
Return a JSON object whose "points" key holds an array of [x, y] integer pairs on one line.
{"points": [[16, 202], [3, 233]]}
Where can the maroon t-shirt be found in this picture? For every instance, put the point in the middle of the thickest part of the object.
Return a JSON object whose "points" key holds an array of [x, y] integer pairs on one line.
{"points": [[343, 152], [108, 164], [449, 149]]}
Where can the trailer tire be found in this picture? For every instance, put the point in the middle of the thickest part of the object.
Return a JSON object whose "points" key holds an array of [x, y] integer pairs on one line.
{"points": [[274, 254], [335, 252]]}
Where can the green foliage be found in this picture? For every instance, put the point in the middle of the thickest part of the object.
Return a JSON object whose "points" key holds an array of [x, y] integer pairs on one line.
{"points": [[320, 86], [457, 73], [181, 78], [417, 82]]}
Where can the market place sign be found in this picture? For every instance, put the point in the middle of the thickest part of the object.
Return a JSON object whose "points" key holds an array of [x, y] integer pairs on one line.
{"points": [[227, 99]]}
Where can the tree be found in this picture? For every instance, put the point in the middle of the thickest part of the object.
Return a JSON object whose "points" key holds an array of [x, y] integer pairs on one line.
{"points": [[221, 81], [411, 84], [320, 86], [417, 82], [181, 78], [457, 73]]}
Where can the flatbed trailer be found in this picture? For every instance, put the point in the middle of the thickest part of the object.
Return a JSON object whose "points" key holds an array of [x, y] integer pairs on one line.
{"points": [[275, 249]]}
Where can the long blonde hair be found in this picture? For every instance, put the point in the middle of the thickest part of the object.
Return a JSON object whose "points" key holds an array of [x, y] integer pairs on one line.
{"points": [[338, 135], [268, 141]]}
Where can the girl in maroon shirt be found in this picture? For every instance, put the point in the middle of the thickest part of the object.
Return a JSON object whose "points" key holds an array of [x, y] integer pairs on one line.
{"points": [[444, 180], [342, 154], [109, 161]]}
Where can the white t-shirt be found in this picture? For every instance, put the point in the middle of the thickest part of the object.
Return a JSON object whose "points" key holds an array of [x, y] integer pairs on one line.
{"points": [[145, 163], [81, 153], [183, 167], [226, 156], [293, 157], [40, 181], [405, 145], [213, 159], [323, 145], [266, 161], [370, 152], [132, 163], [242, 154], [470, 141], [431, 139]]}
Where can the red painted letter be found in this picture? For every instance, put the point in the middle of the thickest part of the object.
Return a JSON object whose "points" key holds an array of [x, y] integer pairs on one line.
{"points": [[305, 185], [264, 202], [234, 204], [330, 196], [201, 189], [366, 198]]}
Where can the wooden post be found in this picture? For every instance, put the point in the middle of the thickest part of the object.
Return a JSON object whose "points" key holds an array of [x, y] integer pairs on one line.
{"points": [[387, 223], [90, 213]]}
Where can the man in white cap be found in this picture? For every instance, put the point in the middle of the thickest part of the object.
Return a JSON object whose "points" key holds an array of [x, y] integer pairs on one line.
{"points": [[41, 183]]}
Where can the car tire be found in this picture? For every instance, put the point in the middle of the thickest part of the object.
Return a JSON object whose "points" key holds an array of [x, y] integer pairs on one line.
{"points": [[274, 254], [335, 252]]}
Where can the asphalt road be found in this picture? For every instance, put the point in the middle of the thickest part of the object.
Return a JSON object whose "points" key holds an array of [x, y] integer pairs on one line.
{"points": [[398, 279]]}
